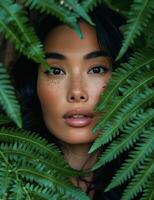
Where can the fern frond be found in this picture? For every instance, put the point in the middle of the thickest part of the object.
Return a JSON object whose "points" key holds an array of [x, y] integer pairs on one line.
{"points": [[60, 11], [140, 180], [111, 128], [20, 151], [79, 10], [130, 135], [5, 179], [32, 160], [138, 82], [16, 191], [138, 18], [149, 33], [148, 192], [124, 72], [116, 110], [90, 4], [8, 99], [4, 120], [40, 193], [14, 25], [56, 183], [135, 160], [24, 143], [23, 136]]}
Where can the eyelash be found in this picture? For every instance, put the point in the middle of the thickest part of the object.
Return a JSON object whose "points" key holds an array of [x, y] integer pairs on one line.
{"points": [[100, 70], [52, 69]]}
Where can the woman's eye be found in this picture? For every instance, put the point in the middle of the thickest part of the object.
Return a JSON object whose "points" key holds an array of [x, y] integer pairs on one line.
{"points": [[98, 70], [54, 71]]}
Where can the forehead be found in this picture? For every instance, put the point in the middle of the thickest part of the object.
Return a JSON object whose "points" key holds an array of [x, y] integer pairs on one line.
{"points": [[63, 38]]}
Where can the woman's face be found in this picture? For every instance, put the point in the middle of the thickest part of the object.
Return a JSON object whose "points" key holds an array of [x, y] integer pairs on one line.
{"points": [[69, 90]]}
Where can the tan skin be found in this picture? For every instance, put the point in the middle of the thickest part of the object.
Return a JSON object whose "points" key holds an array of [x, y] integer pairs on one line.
{"points": [[74, 82]]}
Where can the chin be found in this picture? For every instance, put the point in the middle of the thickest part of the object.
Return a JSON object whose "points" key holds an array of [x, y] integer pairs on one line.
{"points": [[80, 138]]}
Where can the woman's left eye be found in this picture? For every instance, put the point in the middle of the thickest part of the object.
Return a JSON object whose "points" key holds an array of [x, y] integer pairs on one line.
{"points": [[54, 71], [98, 70]]}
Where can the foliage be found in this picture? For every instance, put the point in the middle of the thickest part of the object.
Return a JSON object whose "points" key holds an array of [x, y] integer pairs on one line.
{"points": [[7, 97], [30, 168], [29, 163]]}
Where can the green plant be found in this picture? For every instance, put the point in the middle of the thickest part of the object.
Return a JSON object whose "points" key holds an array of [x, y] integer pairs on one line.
{"points": [[28, 164]]}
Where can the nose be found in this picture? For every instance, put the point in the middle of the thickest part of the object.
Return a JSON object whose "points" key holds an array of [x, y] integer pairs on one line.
{"points": [[76, 92]]}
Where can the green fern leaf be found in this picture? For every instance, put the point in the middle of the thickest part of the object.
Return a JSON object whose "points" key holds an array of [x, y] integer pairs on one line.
{"points": [[138, 18], [111, 129], [54, 8], [116, 110], [136, 157], [130, 136], [8, 99], [19, 135], [16, 191], [148, 192], [149, 33], [56, 184], [20, 151], [14, 24], [90, 4], [79, 10], [139, 181], [30, 145], [124, 72], [4, 120], [142, 80], [30, 169], [5, 179], [40, 193]]}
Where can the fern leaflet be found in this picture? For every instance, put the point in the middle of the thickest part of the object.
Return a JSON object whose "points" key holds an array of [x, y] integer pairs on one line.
{"points": [[111, 129], [8, 99], [64, 14], [136, 158], [139, 181], [130, 135], [138, 18], [13, 23]]}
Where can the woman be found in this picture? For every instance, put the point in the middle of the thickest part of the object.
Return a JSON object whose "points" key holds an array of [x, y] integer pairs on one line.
{"points": [[59, 102]]}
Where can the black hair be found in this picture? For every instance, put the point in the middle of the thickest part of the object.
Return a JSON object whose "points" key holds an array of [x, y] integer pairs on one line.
{"points": [[25, 71]]}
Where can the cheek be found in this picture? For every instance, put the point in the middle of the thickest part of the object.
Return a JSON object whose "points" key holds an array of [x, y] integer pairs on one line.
{"points": [[49, 93], [97, 86]]}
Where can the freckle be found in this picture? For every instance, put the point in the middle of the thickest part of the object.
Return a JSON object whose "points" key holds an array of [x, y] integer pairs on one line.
{"points": [[53, 81]]}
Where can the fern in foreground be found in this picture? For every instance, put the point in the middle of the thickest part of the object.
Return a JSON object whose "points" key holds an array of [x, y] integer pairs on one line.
{"points": [[67, 11], [14, 25], [30, 168], [138, 17], [8, 99], [29, 164], [126, 125]]}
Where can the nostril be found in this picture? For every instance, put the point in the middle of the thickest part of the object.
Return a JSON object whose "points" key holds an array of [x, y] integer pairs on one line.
{"points": [[82, 97], [77, 98], [72, 98]]}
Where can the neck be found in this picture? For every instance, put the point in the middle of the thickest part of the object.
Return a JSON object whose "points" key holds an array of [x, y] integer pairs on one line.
{"points": [[77, 156]]}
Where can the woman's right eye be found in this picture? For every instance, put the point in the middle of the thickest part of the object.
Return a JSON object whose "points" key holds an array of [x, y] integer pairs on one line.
{"points": [[54, 71]]}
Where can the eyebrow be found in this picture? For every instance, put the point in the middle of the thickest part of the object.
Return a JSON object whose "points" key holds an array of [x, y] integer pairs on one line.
{"points": [[91, 55], [95, 54], [55, 55]]}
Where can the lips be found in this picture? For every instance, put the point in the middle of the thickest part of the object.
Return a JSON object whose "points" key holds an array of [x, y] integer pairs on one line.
{"points": [[78, 118]]}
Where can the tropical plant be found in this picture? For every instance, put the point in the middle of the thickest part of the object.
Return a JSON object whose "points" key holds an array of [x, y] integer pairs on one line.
{"points": [[30, 168]]}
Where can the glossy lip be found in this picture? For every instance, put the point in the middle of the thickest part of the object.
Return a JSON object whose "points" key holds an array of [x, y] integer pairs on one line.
{"points": [[78, 122]]}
